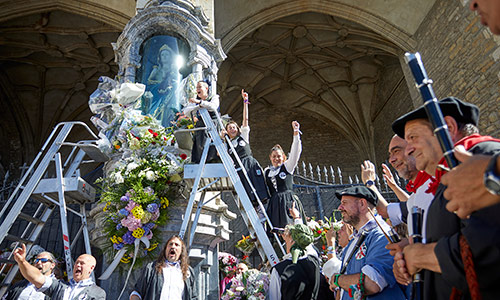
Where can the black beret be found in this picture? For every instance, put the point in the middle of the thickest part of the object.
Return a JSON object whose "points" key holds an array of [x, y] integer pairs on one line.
{"points": [[359, 191], [462, 112]]}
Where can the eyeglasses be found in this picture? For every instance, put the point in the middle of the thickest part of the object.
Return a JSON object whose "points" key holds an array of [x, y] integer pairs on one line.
{"points": [[43, 260]]}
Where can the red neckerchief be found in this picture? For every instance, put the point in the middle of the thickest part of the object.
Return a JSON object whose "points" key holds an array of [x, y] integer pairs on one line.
{"points": [[468, 142], [421, 178]]}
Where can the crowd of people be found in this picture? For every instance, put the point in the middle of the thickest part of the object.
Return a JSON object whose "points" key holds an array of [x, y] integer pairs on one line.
{"points": [[457, 255]]}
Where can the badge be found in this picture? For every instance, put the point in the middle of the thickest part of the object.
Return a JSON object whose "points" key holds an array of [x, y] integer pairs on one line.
{"points": [[242, 143], [282, 175], [258, 172], [361, 252]]}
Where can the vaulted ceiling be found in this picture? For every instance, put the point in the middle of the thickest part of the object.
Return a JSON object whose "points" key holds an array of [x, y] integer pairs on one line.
{"points": [[51, 57], [323, 66]]}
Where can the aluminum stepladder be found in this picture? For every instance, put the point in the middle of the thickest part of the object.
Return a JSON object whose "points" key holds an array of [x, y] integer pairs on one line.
{"points": [[219, 172], [49, 192]]}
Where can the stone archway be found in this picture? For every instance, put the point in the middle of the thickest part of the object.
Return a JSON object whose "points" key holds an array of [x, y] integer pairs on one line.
{"points": [[52, 54], [321, 67]]}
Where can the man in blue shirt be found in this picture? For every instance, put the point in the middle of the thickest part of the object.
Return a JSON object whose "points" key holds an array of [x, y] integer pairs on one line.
{"points": [[366, 264]]}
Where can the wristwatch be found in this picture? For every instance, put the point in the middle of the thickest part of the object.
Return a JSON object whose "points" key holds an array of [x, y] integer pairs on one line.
{"points": [[369, 183], [491, 178]]}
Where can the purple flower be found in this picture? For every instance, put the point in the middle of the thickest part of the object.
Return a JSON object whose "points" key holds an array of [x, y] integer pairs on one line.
{"points": [[119, 226], [128, 238], [125, 198], [123, 211], [148, 190], [152, 207], [118, 246]]}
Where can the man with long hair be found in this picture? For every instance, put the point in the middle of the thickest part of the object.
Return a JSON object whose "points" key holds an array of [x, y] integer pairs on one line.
{"points": [[169, 277]]}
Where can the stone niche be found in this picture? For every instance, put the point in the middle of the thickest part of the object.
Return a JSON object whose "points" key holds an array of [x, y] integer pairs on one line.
{"points": [[168, 31]]}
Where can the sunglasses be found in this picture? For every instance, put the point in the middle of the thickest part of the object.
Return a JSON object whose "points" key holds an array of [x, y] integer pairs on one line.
{"points": [[43, 260]]}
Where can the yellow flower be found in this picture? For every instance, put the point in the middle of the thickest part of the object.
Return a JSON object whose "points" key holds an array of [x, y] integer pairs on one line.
{"points": [[190, 126], [164, 202], [138, 233], [153, 246], [106, 206], [116, 239], [138, 212], [125, 259]]}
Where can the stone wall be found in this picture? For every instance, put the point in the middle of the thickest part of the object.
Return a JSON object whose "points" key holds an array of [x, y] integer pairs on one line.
{"points": [[393, 103], [322, 144], [461, 57]]}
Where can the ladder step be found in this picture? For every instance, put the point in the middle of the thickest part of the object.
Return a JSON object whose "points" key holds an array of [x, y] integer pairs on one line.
{"points": [[31, 219], [18, 239], [7, 261]]}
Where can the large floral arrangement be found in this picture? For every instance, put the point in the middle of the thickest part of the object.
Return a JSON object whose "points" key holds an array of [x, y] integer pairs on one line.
{"points": [[144, 176], [227, 263], [250, 285]]}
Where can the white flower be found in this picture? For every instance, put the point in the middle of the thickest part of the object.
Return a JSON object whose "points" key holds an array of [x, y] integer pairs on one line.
{"points": [[150, 175], [337, 225], [240, 289], [142, 173], [134, 144], [313, 224], [118, 178], [131, 166]]}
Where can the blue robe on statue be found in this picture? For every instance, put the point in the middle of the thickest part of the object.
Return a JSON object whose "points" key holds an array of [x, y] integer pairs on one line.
{"points": [[164, 104]]}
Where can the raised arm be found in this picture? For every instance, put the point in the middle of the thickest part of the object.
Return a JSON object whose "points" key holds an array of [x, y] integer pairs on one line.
{"points": [[400, 193], [368, 174], [29, 272], [245, 108], [296, 149]]}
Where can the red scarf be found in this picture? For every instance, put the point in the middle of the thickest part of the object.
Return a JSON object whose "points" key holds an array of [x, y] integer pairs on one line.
{"points": [[421, 178], [468, 142]]}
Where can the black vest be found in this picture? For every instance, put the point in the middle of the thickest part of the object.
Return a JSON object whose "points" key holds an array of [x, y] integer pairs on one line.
{"points": [[241, 147], [284, 181], [299, 281]]}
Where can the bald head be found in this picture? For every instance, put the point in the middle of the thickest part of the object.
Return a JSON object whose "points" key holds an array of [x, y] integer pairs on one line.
{"points": [[84, 265]]}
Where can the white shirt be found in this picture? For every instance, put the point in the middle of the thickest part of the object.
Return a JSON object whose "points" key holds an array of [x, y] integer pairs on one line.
{"points": [[29, 293], [420, 199], [72, 289], [292, 161], [173, 284], [212, 105]]}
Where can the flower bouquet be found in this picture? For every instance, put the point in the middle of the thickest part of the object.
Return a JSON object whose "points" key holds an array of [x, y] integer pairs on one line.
{"points": [[142, 179], [183, 138], [250, 285], [246, 245], [227, 263], [320, 229]]}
